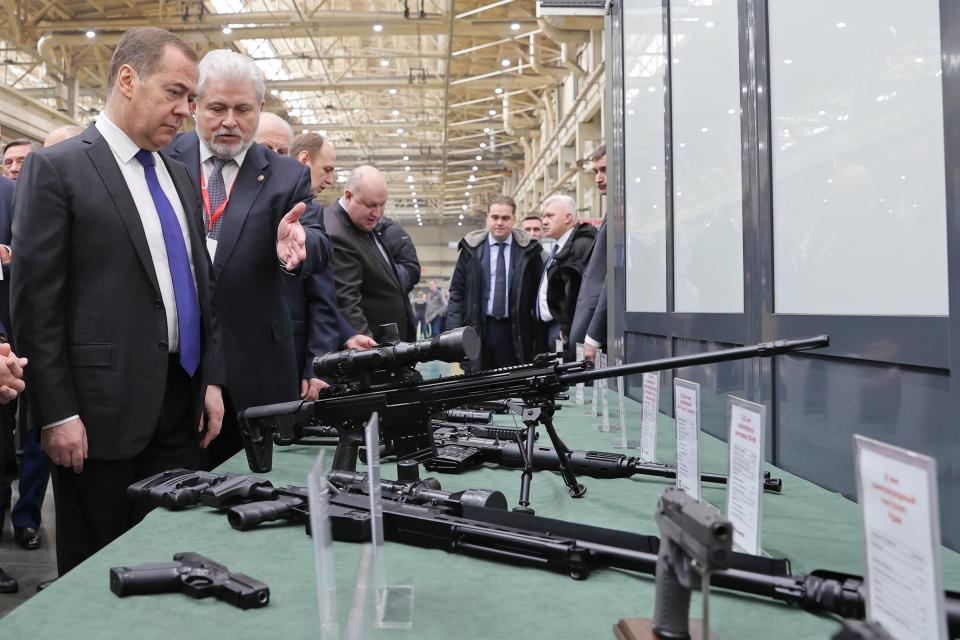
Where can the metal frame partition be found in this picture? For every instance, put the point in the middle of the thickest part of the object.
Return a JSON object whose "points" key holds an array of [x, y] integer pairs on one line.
{"points": [[885, 376]]}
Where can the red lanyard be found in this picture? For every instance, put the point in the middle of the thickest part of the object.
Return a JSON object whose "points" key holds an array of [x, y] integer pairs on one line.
{"points": [[205, 195]]}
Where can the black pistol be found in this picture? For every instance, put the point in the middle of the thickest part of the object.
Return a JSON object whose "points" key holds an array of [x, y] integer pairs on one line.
{"points": [[191, 574]]}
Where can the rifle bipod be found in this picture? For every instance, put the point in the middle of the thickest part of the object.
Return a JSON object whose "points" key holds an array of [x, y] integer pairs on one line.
{"points": [[532, 413]]}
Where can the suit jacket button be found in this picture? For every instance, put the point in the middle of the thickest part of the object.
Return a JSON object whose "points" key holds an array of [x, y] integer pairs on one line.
{"points": [[158, 304], [163, 345]]}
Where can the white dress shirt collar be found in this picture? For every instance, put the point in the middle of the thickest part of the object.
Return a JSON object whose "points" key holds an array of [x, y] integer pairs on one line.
{"points": [[121, 144], [562, 241], [492, 241]]}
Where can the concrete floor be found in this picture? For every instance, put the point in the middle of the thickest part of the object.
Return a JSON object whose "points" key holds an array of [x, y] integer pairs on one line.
{"points": [[28, 567]]}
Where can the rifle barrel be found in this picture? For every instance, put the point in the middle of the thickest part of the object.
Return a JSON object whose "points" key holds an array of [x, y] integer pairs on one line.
{"points": [[773, 348]]}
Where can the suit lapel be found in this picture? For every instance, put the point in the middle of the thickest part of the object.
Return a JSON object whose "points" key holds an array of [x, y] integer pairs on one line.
{"points": [[254, 173], [106, 165]]}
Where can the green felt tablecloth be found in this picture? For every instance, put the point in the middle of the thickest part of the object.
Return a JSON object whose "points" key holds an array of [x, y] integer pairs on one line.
{"points": [[456, 596]]}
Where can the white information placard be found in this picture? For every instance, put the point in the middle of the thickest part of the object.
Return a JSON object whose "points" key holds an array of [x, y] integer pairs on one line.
{"points": [[558, 346], [897, 489], [649, 416], [578, 397], [745, 473], [686, 409]]}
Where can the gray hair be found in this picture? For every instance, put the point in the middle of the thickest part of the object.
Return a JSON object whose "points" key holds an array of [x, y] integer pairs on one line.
{"points": [[566, 201], [223, 64]]}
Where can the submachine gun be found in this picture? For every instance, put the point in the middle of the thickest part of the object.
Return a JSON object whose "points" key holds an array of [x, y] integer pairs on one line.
{"points": [[406, 402]]}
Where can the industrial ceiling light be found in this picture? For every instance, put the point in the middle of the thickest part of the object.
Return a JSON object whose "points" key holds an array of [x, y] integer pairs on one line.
{"points": [[405, 158], [395, 112], [384, 63], [492, 112], [515, 26], [505, 62], [498, 90], [392, 92], [226, 31], [400, 130], [479, 157], [483, 145], [377, 27], [474, 168], [403, 145], [93, 34], [406, 168]]}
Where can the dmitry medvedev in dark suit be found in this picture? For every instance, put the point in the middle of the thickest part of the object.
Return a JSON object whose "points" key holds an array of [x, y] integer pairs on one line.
{"points": [[369, 288], [110, 298], [257, 194]]}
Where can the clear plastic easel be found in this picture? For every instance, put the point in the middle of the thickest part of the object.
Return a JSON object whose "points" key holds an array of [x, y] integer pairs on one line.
{"points": [[319, 497], [377, 603]]}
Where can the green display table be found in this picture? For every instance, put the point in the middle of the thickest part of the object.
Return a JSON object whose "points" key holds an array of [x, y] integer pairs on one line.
{"points": [[456, 596]]}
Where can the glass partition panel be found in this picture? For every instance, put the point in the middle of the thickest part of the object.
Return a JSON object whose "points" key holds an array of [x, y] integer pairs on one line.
{"points": [[707, 186], [644, 61], [859, 213]]}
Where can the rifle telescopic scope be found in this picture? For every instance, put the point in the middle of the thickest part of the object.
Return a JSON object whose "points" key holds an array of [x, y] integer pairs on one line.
{"points": [[450, 346]]}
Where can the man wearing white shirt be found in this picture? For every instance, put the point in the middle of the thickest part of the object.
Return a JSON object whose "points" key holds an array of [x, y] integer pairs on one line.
{"points": [[494, 288], [110, 298], [563, 271]]}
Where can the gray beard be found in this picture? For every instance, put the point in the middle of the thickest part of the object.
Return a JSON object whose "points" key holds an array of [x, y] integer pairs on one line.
{"points": [[227, 151]]}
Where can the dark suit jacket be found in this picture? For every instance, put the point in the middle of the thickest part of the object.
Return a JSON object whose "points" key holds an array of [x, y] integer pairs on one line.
{"points": [[400, 247], [591, 316], [249, 294], [369, 291], [86, 305], [470, 290], [565, 274], [6, 234], [318, 326]]}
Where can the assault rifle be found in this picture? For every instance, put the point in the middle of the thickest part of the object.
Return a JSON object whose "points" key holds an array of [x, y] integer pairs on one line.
{"points": [[476, 523], [405, 405], [461, 447]]}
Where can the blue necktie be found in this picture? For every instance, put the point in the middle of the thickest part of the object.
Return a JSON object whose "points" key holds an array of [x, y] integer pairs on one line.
{"points": [[184, 289]]}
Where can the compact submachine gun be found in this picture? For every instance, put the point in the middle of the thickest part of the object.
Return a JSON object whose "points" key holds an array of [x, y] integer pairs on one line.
{"points": [[405, 403]]}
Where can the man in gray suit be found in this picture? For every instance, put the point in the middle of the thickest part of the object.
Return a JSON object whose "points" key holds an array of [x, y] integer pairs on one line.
{"points": [[590, 320]]}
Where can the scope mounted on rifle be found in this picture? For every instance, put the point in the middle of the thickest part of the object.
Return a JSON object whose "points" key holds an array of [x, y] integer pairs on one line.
{"points": [[383, 363]]}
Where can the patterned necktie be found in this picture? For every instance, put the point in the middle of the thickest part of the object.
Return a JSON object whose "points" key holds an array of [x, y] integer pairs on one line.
{"points": [[184, 289], [217, 192], [500, 283]]}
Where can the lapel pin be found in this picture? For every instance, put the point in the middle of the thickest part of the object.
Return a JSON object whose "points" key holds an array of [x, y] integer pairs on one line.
{"points": [[260, 178]]}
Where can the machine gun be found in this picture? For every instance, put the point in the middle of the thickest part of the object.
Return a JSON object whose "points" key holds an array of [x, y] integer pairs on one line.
{"points": [[405, 407], [461, 447], [475, 523]]}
